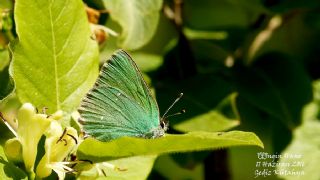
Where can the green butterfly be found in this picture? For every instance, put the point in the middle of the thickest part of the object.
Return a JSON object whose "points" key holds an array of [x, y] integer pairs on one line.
{"points": [[120, 103]]}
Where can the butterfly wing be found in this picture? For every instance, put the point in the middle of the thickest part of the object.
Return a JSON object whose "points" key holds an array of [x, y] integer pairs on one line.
{"points": [[120, 104]]}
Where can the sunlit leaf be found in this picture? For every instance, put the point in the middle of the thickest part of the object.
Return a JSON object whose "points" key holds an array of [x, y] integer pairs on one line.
{"points": [[194, 141], [212, 121], [305, 147], [303, 151], [55, 62], [138, 19]]}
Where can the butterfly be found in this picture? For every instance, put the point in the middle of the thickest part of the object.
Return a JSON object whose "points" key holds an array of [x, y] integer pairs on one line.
{"points": [[120, 103]]}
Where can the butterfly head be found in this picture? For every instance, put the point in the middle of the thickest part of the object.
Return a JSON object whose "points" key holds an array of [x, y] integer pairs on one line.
{"points": [[157, 132], [164, 124]]}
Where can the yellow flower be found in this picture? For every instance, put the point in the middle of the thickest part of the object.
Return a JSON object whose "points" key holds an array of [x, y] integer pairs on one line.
{"points": [[58, 145], [31, 127], [59, 142]]}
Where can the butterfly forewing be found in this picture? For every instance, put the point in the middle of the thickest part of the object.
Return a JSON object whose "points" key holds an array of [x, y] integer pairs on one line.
{"points": [[120, 104], [121, 72]]}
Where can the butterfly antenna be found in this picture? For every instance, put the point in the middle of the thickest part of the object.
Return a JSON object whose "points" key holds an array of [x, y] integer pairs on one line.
{"points": [[175, 101], [178, 113]]}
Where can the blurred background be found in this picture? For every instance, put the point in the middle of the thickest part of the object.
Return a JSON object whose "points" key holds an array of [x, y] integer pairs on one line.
{"points": [[242, 65]]}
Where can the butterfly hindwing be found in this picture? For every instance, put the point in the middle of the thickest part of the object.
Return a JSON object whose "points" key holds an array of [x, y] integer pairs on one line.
{"points": [[120, 104]]}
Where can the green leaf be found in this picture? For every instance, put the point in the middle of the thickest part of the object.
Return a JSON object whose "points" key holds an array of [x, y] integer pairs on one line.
{"points": [[255, 120], [215, 14], [55, 62], [306, 144], [4, 59], [195, 141], [9, 170], [277, 85], [6, 4], [171, 170], [212, 121], [138, 19], [137, 167], [147, 62]]}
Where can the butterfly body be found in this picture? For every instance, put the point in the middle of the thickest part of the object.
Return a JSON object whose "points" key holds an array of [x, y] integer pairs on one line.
{"points": [[120, 103]]}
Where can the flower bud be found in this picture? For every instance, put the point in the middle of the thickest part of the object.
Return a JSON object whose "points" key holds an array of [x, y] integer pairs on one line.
{"points": [[13, 150]]}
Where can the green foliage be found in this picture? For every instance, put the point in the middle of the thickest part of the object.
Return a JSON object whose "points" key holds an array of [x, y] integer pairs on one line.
{"points": [[171, 169], [55, 60], [204, 121], [6, 83], [305, 144], [4, 56], [197, 16], [8, 170], [128, 146], [266, 90], [138, 19]]}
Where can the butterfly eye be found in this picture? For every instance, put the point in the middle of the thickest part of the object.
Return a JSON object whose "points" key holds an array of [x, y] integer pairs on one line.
{"points": [[164, 124]]}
